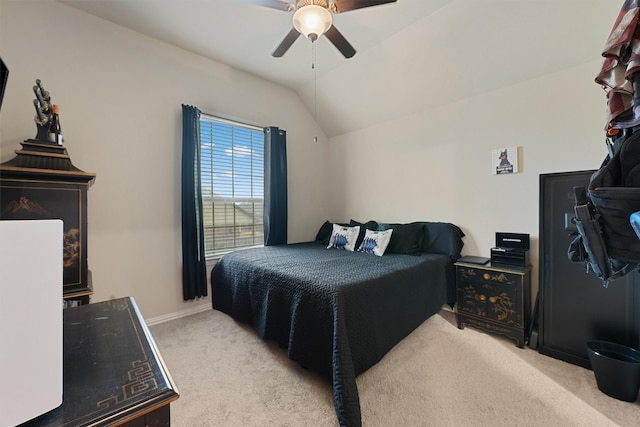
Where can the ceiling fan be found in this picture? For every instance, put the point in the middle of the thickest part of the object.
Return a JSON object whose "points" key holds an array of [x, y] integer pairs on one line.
{"points": [[313, 18]]}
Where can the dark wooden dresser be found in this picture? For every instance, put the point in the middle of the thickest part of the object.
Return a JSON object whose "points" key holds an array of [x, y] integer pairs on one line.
{"points": [[113, 373], [494, 298]]}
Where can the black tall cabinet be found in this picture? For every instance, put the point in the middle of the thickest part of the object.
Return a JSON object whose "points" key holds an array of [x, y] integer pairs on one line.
{"points": [[574, 307], [40, 182]]}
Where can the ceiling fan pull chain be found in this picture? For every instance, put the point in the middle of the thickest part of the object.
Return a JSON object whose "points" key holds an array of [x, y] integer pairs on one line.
{"points": [[315, 90]]}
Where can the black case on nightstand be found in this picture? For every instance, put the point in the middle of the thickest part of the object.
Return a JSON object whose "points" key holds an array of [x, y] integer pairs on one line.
{"points": [[511, 249]]}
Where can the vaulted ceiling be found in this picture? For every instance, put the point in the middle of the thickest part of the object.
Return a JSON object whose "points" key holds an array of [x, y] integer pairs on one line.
{"points": [[412, 55]]}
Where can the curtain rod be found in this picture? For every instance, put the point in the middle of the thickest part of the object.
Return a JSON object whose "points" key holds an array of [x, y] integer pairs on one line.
{"points": [[232, 122]]}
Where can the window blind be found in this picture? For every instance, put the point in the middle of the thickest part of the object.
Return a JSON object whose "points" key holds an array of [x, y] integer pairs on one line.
{"points": [[232, 182]]}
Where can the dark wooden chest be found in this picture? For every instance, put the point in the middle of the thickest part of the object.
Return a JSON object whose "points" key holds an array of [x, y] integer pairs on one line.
{"points": [[494, 298]]}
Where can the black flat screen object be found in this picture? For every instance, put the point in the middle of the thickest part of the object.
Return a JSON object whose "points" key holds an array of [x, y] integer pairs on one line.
{"points": [[511, 249], [4, 76], [470, 259], [512, 240]]}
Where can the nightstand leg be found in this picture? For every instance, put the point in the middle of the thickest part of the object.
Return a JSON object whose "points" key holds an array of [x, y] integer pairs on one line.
{"points": [[460, 322]]}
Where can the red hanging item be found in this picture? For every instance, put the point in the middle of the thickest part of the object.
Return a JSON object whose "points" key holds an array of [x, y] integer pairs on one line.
{"points": [[621, 61]]}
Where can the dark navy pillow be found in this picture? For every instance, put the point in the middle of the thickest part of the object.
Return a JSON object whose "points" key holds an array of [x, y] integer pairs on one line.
{"points": [[324, 233], [405, 239], [442, 238]]}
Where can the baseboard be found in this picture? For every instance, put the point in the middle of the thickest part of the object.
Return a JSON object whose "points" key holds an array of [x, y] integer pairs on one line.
{"points": [[178, 314]]}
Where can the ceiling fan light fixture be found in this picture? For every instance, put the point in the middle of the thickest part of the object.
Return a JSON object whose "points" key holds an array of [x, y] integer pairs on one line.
{"points": [[312, 21]]}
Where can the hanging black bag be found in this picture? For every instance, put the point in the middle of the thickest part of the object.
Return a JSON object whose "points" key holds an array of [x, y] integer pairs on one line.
{"points": [[606, 242]]}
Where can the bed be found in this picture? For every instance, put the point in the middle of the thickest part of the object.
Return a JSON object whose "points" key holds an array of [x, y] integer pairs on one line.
{"points": [[338, 312]]}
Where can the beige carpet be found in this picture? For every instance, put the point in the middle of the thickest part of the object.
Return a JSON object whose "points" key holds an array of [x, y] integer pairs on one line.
{"points": [[437, 376]]}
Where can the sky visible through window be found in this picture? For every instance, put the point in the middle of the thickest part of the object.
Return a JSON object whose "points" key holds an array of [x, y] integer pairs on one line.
{"points": [[232, 161]]}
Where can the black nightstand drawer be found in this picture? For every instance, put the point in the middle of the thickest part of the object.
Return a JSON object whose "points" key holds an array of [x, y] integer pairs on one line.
{"points": [[475, 274]]}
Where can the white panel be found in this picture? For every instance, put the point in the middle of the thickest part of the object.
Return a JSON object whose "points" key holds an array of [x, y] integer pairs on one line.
{"points": [[30, 319]]}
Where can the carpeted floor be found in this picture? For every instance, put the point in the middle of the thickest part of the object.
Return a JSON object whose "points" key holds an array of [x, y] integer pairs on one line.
{"points": [[437, 376]]}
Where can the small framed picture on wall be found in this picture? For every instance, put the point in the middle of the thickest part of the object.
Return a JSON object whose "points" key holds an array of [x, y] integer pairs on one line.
{"points": [[504, 160]]}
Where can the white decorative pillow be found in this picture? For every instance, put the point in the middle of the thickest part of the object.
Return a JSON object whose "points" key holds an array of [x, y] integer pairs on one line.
{"points": [[343, 237], [375, 242]]}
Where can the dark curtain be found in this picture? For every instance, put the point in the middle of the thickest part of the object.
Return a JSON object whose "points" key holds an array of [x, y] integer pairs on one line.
{"points": [[194, 275], [275, 186]]}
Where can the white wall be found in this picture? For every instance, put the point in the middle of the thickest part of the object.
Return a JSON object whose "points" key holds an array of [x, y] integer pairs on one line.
{"points": [[120, 95], [436, 165]]}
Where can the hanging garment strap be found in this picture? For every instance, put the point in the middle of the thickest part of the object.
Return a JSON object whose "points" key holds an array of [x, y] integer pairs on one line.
{"points": [[589, 246]]}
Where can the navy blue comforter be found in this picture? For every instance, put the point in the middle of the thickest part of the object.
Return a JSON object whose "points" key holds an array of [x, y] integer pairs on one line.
{"points": [[337, 312]]}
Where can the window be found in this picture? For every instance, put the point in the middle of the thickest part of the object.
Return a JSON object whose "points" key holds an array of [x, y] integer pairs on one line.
{"points": [[232, 178]]}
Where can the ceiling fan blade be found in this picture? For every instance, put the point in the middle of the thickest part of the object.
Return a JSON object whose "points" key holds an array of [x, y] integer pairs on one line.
{"points": [[286, 43], [340, 6], [340, 42], [273, 4]]}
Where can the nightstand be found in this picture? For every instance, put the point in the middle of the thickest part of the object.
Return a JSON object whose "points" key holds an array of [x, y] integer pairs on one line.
{"points": [[495, 298]]}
